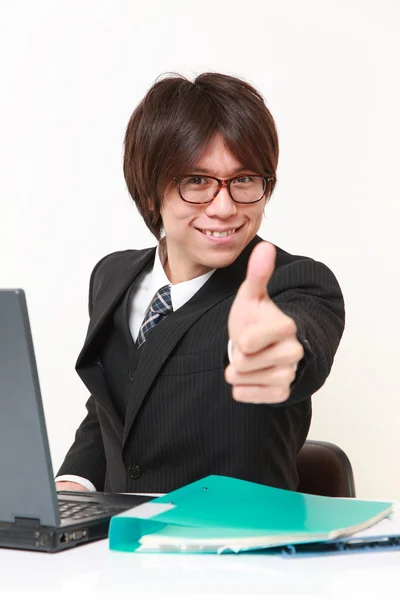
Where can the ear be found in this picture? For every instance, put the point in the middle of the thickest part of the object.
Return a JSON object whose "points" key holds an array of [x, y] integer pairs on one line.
{"points": [[270, 189], [154, 213]]}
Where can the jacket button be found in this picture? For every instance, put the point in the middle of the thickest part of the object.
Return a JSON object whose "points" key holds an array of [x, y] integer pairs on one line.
{"points": [[134, 472], [131, 375]]}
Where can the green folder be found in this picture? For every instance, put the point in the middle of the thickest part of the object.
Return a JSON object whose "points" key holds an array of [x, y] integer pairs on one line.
{"points": [[221, 514]]}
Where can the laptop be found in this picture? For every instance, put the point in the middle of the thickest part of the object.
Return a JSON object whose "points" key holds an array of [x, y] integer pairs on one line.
{"points": [[33, 516]]}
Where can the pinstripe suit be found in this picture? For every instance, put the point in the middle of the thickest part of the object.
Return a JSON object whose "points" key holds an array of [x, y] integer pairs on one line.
{"points": [[162, 416]]}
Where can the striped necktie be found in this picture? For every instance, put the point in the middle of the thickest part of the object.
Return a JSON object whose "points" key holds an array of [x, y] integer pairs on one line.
{"points": [[160, 307]]}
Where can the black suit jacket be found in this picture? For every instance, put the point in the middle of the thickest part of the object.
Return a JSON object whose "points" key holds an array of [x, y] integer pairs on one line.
{"points": [[181, 422]]}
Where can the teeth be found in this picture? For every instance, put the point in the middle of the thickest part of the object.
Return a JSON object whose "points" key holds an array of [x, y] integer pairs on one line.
{"points": [[218, 233]]}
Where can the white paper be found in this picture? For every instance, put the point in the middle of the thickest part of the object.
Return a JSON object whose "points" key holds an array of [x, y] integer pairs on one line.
{"points": [[390, 525]]}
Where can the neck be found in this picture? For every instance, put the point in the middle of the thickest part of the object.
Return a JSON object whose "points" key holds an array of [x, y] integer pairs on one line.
{"points": [[177, 269], [180, 272]]}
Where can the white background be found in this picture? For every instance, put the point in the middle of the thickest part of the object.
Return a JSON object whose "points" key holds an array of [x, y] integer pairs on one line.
{"points": [[71, 74]]}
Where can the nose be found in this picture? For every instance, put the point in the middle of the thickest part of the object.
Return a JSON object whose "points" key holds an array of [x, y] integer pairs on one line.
{"points": [[222, 206]]}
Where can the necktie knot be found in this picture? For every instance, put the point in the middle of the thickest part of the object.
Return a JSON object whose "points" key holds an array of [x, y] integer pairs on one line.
{"points": [[160, 307], [161, 304]]}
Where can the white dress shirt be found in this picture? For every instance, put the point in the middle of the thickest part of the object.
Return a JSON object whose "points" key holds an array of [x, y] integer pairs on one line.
{"points": [[142, 294]]}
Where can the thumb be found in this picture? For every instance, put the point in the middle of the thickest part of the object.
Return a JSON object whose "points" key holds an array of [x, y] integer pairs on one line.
{"points": [[260, 267]]}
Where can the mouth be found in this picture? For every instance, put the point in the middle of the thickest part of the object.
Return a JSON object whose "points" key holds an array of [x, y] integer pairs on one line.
{"points": [[219, 234]]}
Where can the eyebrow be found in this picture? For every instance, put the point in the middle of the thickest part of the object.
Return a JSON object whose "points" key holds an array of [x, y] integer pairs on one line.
{"points": [[199, 169]]}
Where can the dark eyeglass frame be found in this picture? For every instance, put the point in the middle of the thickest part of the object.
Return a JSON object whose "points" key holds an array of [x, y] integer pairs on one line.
{"points": [[223, 183]]}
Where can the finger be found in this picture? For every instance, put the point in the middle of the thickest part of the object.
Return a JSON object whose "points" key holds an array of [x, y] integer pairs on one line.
{"points": [[260, 267], [274, 376], [287, 352], [258, 337], [260, 394]]}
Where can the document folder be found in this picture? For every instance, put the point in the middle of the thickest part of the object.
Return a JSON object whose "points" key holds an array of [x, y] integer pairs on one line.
{"points": [[384, 535], [221, 514]]}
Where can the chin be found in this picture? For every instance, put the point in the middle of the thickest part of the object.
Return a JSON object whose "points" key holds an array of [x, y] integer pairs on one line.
{"points": [[219, 262]]}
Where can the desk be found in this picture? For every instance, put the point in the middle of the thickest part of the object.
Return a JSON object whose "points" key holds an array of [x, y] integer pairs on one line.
{"points": [[93, 571]]}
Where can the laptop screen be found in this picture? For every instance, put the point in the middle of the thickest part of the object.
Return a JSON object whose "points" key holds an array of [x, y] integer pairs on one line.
{"points": [[26, 474]]}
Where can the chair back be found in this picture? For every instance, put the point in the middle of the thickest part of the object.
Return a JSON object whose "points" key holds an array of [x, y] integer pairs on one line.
{"points": [[324, 469]]}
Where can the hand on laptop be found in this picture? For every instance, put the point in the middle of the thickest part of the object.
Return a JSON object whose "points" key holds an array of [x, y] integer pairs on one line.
{"points": [[70, 486]]}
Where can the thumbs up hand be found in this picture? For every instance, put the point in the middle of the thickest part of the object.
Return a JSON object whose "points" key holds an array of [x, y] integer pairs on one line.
{"points": [[265, 349]]}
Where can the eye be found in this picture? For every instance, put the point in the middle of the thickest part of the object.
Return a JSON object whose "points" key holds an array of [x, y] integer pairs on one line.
{"points": [[244, 179], [194, 180]]}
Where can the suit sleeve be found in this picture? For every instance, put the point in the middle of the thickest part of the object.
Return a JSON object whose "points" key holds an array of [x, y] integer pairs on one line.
{"points": [[86, 457], [308, 292]]}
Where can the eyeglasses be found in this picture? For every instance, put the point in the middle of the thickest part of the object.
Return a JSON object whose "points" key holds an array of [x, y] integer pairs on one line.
{"points": [[202, 189]]}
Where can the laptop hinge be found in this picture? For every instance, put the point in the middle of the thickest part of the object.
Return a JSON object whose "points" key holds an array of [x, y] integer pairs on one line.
{"points": [[26, 522]]}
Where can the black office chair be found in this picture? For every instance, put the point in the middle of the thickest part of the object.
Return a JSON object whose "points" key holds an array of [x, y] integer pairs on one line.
{"points": [[324, 469]]}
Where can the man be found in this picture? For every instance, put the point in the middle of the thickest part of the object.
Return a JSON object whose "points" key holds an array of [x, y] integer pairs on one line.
{"points": [[202, 354]]}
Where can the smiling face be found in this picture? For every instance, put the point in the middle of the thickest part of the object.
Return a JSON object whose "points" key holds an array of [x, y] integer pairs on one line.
{"points": [[204, 237]]}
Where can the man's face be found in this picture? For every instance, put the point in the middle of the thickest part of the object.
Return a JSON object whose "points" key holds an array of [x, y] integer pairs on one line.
{"points": [[191, 251]]}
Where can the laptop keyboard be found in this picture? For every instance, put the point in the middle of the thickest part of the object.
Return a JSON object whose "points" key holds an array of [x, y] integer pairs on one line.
{"points": [[80, 511]]}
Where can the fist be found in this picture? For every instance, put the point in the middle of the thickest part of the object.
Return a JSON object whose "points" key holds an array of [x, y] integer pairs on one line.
{"points": [[265, 349]]}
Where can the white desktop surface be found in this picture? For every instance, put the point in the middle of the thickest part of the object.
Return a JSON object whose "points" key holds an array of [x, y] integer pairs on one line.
{"points": [[93, 571]]}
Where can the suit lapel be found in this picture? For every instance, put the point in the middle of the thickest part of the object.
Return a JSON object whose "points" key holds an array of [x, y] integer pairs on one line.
{"points": [[222, 284], [113, 287]]}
